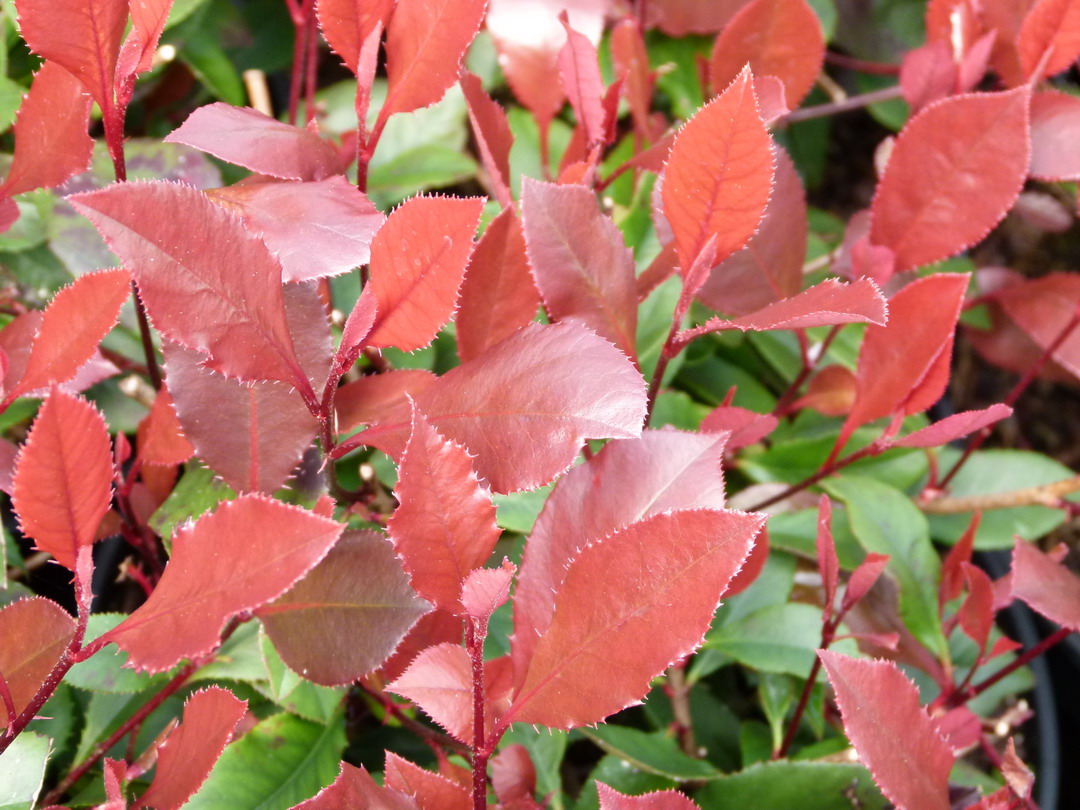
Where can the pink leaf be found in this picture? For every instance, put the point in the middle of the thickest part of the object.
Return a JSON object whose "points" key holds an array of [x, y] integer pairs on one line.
{"points": [[425, 44], [436, 627], [491, 129], [253, 435], [781, 38], [582, 267], [81, 35], [677, 18], [315, 229], [579, 70], [627, 481], [515, 408], [354, 789], [190, 751], [863, 579], [256, 141], [1051, 26], [898, 361], [1055, 121], [486, 589], [161, 437], [347, 23], [977, 613], [892, 733], [1045, 585], [148, 19], [1043, 308], [183, 251], [828, 564], [335, 626], [927, 74], [611, 799], [630, 604], [445, 525], [418, 260], [719, 174], [354, 335], [380, 397], [72, 326], [769, 268], [746, 427], [513, 775], [954, 427], [954, 172], [498, 296], [51, 141], [36, 631], [239, 557], [952, 569], [63, 477], [427, 788]]}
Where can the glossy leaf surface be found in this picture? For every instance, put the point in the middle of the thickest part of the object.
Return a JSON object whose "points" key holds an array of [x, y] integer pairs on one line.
{"points": [[1055, 120], [36, 632], [1047, 586], [347, 23], [1051, 27], [427, 788], [611, 799]]}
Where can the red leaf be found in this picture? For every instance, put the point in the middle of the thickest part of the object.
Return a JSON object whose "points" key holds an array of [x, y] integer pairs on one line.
{"points": [[582, 267], [241, 556], [746, 427], [611, 799], [977, 613], [498, 296], [1054, 26], [428, 789], [769, 268], [445, 524], [1045, 585], [513, 774], [81, 35], [380, 397], [347, 23], [1055, 122], [51, 141], [63, 477], [928, 74], [954, 172], [831, 391], [677, 18], [253, 435], [72, 326], [830, 302], [719, 174], [190, 751], [892, 733], [491, 129], [515, 408], [354, 789], [183, 251], [781, 38], [828, 564], [1043, 308], [754, 565], [486, 589], [418, 260], [954, 427], [161, 438], [258, 142], [148, 19], [436, 627], [36, 631], [863, 579], [631, 62], [315, 229], [897, 361], [630, 605], [952, 569], [579, 70], [354, 335], [425, 44], [335, 626], [627, 481]]}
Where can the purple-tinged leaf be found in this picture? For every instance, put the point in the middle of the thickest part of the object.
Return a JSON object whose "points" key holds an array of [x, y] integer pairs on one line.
{"points": [[258, 142], [315, 229], [892, 733], [1045, 585], [36, 631], [582, 267], [380, 397]]}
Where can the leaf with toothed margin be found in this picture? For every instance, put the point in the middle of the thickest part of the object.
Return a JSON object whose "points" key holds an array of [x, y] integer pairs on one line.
{"points": [[611, 799], [579, 70], [956, 169], [418, 260], [627, 481], [427, 788], [893, 735], [186, 756], [519, 412], [63, 477], [1046, 586], [239, 557], [354, 788], [334, 626], [445, 524], [346, 24], [184, 252], [35, 632], [1051, 26], [630, 604]]}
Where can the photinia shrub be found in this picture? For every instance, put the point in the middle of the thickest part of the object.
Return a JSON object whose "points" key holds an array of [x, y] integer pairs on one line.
{"points": [[537, 411]]}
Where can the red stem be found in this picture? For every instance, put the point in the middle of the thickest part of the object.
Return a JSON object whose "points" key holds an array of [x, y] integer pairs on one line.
{"points": [[827, 470], [862, 65], [958, 697]]}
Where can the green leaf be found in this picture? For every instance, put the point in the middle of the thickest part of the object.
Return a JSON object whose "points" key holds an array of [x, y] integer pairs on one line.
{"points": [[654, 753], [198, 491], [654, 323], [776, 693], [239, 658], [678, 409], [279, 763], [517, 512], [11, 94], [780, 638], [205, 57], [22, 770], [991, 471], [103, 672], [614, 773], [885, 521], [295, 694], [546, 748], [426, 167], [784, 785]]}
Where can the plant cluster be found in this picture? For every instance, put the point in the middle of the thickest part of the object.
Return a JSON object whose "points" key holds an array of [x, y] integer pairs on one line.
{"points": [[377, 497]]}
